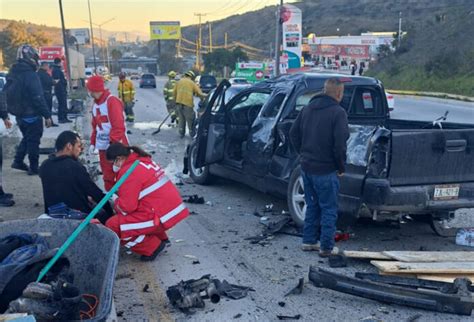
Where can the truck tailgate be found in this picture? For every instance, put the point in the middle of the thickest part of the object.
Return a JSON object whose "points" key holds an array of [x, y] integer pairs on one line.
{"points": [[431, 156]]}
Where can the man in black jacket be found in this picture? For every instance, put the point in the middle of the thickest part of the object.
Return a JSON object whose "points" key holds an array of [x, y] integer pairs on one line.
{"points": [[319, 134], [47, 84], [65, 179], [60, 90], [6, 199], [33, 107]]}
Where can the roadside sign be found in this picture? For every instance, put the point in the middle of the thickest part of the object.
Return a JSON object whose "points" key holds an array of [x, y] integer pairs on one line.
{"points": [[165, 30], [252, 72], [79, 36], [258, 74]]}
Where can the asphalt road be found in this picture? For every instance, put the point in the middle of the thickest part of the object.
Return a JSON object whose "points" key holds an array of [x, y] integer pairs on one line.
{"points": [[429, 109], [212, 241]]}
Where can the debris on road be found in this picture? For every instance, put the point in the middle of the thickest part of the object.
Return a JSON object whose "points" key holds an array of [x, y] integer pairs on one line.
{"points": [[187, 295], [337, 261], [460, 302], [146, 288], [191, 257], [272, 227], [195, 199], [298, 289], [268, 208], [288, 317]]}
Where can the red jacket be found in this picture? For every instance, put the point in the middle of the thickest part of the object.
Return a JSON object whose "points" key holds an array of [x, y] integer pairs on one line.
{"points": [[147, 199], [114, 116]]}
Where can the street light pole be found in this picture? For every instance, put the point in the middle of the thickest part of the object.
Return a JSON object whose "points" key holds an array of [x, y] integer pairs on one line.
{"points": [[92, 35], [68, 65], [102, 41], [399, 29], [277, 39]]}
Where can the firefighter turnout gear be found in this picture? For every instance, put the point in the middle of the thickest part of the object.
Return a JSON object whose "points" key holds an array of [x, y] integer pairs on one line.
{"points": [[184, 92], [168, 93], [126, 92], [148, 204], [108, 126]]}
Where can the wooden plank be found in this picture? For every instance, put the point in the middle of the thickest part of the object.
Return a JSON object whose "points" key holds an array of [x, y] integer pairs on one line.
{"points": [[364, 255], [443, 277], [407, 256], [430, 268]]}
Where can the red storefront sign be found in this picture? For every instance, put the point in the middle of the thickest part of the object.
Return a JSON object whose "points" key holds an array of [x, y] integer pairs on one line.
{"points": [[352, 51]]}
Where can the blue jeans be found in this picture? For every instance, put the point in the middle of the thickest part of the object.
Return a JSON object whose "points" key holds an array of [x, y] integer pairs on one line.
{"points": [[321, 193]]}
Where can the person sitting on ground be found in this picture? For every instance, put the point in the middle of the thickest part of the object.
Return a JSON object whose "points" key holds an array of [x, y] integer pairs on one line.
{"points": [[147, 203], [66, 180]]}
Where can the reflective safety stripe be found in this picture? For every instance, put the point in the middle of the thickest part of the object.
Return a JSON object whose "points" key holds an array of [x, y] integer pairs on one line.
{"points": [[140, 225], [153, 187], [173, 213], [135, 242]]}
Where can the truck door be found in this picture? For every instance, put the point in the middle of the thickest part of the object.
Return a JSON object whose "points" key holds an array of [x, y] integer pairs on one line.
{"points": [[212, 129]]}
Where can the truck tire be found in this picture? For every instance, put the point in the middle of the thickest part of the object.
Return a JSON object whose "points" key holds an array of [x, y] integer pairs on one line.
{"points": [[440, 230], [295, 197], [199, 175]]}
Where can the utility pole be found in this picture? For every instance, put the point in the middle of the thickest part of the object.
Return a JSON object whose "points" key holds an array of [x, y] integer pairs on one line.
{"points": [[399, 29], [277, 39], [92, 35], [199, 43], [225, 40], [197, 54], [210, 37], [68, 65]]}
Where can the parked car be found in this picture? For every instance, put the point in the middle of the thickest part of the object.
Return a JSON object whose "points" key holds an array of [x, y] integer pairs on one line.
{"points": [[148, 80], [134, 77], [394, 167], [237, 80], [206, 82], [390, 101]]}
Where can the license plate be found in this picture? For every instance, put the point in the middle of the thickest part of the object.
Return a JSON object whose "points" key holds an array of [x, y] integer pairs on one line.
{"points": [[446, 192]]}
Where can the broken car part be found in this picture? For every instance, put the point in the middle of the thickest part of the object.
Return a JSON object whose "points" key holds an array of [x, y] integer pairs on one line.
{"points": [[298, 289], [461, 303]]}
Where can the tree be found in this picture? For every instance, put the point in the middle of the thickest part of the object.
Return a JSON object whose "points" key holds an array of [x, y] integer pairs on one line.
{"points": [[220, 58], [17, 34], [116, 54]]}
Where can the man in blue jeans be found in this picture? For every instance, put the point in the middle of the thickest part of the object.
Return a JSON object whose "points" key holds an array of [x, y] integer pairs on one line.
{"points": [[319, 134]]}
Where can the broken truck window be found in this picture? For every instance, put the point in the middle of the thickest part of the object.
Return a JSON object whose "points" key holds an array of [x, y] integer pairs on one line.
{"points": [[358, 144]]}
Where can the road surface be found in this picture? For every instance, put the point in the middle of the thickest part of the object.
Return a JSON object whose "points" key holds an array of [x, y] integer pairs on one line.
{"points": [[213, 241], [429, 109]]}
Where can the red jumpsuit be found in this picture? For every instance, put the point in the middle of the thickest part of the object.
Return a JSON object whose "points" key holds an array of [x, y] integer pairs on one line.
{"points": [[148, 204], [108, 126]]}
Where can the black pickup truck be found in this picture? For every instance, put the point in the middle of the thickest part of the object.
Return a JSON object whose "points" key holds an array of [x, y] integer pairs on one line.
{"points": [[394, 167]]}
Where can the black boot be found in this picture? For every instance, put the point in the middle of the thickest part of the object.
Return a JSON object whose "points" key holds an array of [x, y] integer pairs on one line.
{"points": [[155, 253], [20, 166]]}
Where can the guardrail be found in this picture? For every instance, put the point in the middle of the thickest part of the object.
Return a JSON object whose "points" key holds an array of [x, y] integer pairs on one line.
{"points": [[432, 94]]}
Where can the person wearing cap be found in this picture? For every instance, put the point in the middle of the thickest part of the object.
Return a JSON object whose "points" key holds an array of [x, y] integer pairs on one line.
{"points": [[184, 92], [126, 93], [168, 93], [108, 125]]}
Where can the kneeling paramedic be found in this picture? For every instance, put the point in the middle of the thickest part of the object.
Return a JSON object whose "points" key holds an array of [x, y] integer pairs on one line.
{"points": [[147, 204]]}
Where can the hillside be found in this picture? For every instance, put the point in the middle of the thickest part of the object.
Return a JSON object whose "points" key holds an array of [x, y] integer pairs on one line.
{"points": [[439, 32]]}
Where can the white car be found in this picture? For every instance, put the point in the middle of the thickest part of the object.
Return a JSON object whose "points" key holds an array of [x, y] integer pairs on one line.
{"points": [[390, 101]]}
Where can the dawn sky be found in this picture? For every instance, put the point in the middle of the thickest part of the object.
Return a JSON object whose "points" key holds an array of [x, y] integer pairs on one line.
{"points": [[130, 15]]}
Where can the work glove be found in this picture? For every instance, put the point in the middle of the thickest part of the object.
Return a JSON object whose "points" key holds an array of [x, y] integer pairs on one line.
{"points": [[93, 150]]}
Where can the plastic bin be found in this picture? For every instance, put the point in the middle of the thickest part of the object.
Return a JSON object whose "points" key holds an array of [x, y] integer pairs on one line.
{"points": [[93, 256]]}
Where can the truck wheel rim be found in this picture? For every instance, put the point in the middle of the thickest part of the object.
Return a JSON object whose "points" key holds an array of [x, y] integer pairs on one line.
{"points": [[299, 204], [196, 171]]}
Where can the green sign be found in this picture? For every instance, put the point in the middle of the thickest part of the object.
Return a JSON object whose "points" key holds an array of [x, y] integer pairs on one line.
{"points": [[252, 72]]}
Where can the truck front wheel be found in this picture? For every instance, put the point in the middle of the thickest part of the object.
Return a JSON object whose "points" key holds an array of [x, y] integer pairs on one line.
{"points": [[295, 197]]}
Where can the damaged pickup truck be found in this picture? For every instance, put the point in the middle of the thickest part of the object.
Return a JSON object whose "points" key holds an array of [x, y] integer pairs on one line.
{"points": [[394, 167]]}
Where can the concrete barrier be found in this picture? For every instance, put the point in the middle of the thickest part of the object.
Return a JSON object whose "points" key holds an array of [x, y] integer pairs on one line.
{"points": [[432, 94]]}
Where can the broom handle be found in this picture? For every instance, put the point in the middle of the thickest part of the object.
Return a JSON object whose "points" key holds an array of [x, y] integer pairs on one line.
{"points": [[85, 222]]}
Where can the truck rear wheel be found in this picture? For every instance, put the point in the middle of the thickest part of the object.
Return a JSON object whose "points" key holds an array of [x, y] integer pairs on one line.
{"points": [[295, 197], [440, 230]]}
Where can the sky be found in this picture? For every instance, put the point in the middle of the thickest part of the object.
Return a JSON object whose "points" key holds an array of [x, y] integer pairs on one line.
{"points": [[130, 15]]}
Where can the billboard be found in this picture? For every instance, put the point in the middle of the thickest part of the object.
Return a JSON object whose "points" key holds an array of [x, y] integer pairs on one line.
{"points": [[350, 51], [253, 72], [79, 36], [165, 30], [292, 36]]}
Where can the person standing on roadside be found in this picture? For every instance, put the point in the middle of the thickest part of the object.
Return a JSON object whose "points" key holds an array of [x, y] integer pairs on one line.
{"points": [[319, 135], [25, 100], [6, 199], [184, 92], [108, 125], [47, 84], [126, 92], [60, 90]]}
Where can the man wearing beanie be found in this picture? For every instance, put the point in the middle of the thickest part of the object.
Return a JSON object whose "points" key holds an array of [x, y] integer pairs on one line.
{"points": [[108, 125]]}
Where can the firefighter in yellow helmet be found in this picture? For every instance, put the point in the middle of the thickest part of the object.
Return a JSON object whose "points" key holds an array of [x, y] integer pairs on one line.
{"points": [[168, 93], [126, 92]]}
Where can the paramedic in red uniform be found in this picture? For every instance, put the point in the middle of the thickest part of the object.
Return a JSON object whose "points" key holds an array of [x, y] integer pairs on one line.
{"points": [[108, 125], [146, 205]]}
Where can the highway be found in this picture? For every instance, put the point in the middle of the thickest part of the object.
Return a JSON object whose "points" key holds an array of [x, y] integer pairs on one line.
{"points": [[428, 109]]}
